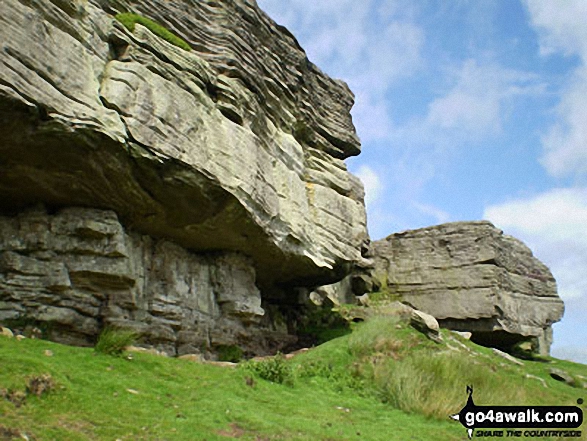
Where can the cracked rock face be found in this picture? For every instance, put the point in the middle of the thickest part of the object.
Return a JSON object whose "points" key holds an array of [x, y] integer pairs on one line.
{"points": [[236, 146], [472, 277]]}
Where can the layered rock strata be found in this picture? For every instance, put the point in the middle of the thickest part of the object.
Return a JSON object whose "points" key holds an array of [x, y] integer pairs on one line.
{"points": [[472, 277], [73, 272], [235, 145]]}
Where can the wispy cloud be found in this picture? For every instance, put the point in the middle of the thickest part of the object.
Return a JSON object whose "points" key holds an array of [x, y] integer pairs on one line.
{"points": [[560, 25], [565, 143], [372, 183], [479, 97], [439, 216]]}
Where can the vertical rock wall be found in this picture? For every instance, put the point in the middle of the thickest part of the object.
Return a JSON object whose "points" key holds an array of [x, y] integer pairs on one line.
{"points": [[206, 181]]}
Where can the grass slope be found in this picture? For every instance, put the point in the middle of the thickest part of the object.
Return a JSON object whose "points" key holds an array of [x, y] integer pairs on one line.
{"points": [[382, 382]]}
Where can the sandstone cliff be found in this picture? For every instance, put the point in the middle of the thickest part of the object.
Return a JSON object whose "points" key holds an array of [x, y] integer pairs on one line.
{"points": [[225, 160], [237, 144], [472, 277]]}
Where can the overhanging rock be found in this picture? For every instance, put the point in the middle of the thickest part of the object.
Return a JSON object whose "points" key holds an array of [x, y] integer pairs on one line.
{"points": [[235, 145], [203, 181]]}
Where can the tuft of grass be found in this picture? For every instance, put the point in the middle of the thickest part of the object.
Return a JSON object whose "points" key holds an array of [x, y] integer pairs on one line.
{"points": [[230, 353], [433, 384], [274, 369], [114, 341], [417, 376], [129, 20]]}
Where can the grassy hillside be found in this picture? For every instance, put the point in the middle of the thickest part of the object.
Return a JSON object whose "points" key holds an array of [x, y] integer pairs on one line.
{"points": [[384, 381]]}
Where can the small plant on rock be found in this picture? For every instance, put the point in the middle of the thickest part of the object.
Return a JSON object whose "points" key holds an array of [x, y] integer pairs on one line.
{"points": [[129, 20]]}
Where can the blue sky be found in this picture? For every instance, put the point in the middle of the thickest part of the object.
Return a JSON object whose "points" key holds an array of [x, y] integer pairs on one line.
{"points": [[468, 109]]}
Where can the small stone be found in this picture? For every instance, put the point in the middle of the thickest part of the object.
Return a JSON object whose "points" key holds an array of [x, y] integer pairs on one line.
{"points": [[507, 356], [537, 378], [464, 334], [48, 353], [363, 300], [199, 358], [426, 324], [222, 363]]}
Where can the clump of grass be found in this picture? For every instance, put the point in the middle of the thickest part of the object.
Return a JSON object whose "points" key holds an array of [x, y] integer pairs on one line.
{"points": [[384, 335], [113, 341], [274, 369], [434, 384], [129, 20], [417, 376]]}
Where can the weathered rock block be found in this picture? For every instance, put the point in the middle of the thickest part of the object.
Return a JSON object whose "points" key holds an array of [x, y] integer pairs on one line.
{"points": [[472, 277]]}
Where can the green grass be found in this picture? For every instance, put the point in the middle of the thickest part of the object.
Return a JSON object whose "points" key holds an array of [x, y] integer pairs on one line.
{"points": [[382, 382], [129, 20]]}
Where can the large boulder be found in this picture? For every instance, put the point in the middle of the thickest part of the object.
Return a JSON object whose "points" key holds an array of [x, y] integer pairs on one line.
{"points": [[472, 277]]}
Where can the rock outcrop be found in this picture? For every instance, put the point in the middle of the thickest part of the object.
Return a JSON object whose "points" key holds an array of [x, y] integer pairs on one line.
{"points": [[472, 277], [205, 181], [196, 195]]}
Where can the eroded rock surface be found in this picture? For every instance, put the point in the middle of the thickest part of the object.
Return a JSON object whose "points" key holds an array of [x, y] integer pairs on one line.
{"points": [[235, 145], [75, 271], [472, 277]]}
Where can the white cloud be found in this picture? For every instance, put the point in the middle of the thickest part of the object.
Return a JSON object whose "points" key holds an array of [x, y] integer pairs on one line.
{"points": [[565, 143], [562, 28], [561, 25], [554, 226], [372, 183]]}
